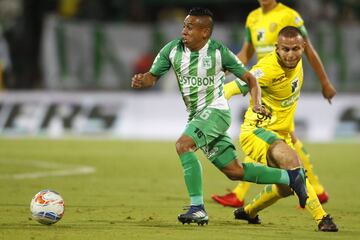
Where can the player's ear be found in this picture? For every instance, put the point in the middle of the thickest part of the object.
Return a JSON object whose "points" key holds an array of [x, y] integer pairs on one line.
{"points": [[206, 32], [306, 42]]}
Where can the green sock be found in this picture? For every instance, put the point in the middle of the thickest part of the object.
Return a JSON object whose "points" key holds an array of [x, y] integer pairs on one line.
{"points": [[257, 173], [193, 177]]}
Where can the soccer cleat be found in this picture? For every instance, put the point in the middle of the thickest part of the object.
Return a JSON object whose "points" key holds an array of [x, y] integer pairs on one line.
{"points": [[298, 184], [228, 200], [323, 197], [242, 215], [195, 214], [327, 225]]}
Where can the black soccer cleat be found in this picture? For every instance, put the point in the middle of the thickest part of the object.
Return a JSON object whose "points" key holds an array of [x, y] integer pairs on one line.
{"points": [[298, 184], [195, 214], [242, 215], [327, 225]]}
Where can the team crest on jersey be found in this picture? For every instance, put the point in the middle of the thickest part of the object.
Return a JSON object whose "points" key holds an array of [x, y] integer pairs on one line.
{"points": [[206, 62], [294, 84], [258, 73], [272, 27], [260, 35], [298, 20]]}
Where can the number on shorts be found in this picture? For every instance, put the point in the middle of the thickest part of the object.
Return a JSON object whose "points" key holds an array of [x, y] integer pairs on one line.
{"points": [[205, 114]]}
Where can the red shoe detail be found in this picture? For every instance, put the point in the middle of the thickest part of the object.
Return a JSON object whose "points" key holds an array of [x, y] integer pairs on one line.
{"points": [[323, 197], [228, 200]]}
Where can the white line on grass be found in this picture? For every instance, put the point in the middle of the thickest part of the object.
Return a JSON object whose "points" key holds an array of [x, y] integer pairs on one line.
{"points": [[50, 169]]}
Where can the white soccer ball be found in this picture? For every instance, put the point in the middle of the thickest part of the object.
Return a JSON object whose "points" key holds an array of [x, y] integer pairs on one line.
{"points": [[47, 207]]}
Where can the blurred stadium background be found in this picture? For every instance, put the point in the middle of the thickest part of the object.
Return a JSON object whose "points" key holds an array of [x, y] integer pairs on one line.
{"points": [[66, 66]]}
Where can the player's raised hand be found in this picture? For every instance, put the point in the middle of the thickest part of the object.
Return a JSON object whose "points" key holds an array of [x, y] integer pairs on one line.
{"points": [[261, 110], [137, 80], [143, 80], [328, 91]]}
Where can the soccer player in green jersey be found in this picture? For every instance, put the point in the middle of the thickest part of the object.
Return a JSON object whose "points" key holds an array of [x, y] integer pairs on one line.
{"points": [[200, 64], [261, 31]]}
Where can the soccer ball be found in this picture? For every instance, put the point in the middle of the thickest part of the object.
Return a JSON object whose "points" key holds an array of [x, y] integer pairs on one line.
{"points": [[47, 207]]}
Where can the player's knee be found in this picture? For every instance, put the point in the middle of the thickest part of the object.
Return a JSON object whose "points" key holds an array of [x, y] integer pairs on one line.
{"points": [[184, 144], [180, 149], [282, 155], [275, 149]]}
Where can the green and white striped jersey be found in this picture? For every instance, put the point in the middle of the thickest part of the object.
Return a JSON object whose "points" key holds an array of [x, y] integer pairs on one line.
{"points": [[200, 74]]}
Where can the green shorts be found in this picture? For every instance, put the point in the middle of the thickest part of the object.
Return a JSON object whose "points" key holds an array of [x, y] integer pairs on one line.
{"points": [[208, 130]]}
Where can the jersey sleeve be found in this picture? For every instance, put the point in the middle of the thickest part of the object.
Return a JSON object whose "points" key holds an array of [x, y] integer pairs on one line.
{"points": [[162, 62], [232, 63], [234, 88], [247, 30], [297, 21]]}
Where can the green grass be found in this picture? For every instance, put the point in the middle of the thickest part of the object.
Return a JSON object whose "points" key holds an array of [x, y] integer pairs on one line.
{"points": [[137, 192]]}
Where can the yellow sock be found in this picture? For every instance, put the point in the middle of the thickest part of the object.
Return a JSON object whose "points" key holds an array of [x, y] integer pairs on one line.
{"points": [[313, 205], [265, 198], [305, 158], [241, 190], [243, 187]]}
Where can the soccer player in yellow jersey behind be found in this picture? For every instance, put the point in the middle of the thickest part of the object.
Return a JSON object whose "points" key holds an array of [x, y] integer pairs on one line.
{"points": [[261, 31], [267, 140]]}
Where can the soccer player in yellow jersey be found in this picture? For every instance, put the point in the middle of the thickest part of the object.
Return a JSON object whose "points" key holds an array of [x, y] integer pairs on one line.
{"points": [[261, 31], [267, 140]]}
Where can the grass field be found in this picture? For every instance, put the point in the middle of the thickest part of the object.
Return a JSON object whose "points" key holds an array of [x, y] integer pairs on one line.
{"points": [[137, 192]]}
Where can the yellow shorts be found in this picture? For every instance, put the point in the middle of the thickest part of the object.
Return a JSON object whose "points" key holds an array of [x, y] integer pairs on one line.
{"points": [[255, 142]]}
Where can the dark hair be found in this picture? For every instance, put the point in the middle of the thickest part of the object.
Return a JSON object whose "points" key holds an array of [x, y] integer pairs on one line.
{"points": [[290, 32], [199, 11], [203, 12]]}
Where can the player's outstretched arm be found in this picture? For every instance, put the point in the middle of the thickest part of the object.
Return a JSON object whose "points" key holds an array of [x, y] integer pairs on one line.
{"points": [[143, 80], [328, 89], [255, 93]]}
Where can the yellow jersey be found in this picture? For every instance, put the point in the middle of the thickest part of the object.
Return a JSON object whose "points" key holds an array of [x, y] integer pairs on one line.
{"points": [[262, 29], [280, 92]]}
